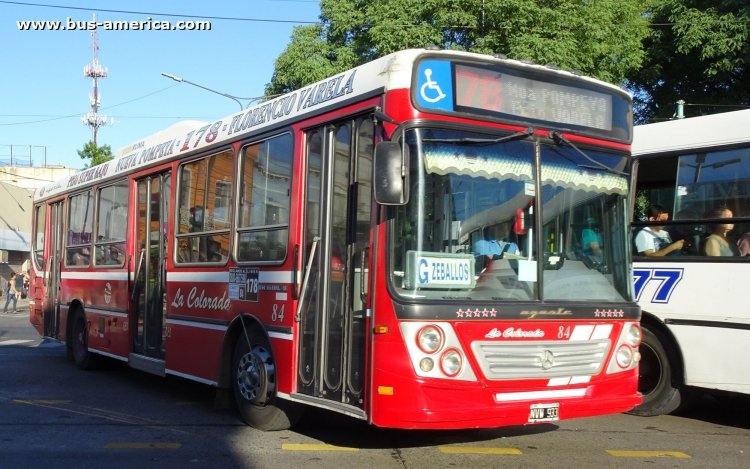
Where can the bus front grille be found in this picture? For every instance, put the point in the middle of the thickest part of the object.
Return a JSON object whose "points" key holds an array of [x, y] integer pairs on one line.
{"points": [[530, 360]]}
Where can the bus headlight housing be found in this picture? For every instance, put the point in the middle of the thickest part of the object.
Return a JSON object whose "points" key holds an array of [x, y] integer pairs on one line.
{"points": [[624, 356], [436, 352], [426, 364], [634, 335], [451, 362], [430, 339]]}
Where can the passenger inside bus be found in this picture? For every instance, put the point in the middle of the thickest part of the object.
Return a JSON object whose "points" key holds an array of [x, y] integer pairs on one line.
{"points": [[591, 239], [717, 243], [692, 233], [81, 256], [743, 244], [655, 240]]}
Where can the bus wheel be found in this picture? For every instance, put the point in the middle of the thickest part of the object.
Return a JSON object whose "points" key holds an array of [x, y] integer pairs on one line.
{"points": [[254, 386], [78, 344], [660, 395]]}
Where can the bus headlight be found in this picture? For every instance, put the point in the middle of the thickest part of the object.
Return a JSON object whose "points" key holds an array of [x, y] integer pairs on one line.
{"points": [[451, 362], [633, 335], [430, 339], [624, 356], [426, 364]]}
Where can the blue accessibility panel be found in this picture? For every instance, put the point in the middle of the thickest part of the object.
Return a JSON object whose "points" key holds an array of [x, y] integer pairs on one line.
{"points": [[435, 85]]}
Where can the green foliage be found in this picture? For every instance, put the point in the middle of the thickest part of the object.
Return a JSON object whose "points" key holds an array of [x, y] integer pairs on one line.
{"points": [[601, 38], [698, 51], [663, 50], [642, 203], [95, 154]]}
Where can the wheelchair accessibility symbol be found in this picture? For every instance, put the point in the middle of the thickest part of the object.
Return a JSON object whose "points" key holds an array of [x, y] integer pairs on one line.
{"points": [[430, 90], [434, 87]]}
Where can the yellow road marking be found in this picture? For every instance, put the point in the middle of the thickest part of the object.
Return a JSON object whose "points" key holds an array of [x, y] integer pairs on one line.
{"points": [[648, 454], [42, 401], [142, 445], [477, 450], [315, 447]]}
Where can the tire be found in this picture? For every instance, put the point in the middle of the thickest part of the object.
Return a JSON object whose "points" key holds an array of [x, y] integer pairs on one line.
{"points": [[78, 349], [656, 380], [254, 388]]}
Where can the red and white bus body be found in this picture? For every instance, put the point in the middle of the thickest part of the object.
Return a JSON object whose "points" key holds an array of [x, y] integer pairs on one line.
{"points": [[318, 249]]}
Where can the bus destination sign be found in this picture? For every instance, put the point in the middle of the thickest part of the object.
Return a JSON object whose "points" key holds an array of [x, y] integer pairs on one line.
{"points": [[507, 93], [490, 90]]}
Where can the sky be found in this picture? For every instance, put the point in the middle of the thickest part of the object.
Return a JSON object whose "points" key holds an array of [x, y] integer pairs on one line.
{"points": [[44, 93]]}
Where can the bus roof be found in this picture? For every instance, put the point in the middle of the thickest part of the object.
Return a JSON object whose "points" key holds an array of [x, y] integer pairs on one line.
{"points": [[693, 133], [393, 71]]}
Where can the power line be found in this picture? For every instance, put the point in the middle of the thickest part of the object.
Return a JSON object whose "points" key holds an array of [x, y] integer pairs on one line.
{"points": [[744, 106], [49, 118], [264, 20], [176, 15]]}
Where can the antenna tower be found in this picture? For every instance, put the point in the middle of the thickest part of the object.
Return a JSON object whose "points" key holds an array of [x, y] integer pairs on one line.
{"points": [[94, 71]]}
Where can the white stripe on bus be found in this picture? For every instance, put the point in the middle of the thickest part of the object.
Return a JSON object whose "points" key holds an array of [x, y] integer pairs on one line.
{"points": [[75, 275], [533, 395], [582, 332], [222, 328], [191, 377], [569, 380], [280, 276], [106, 312], [198, 324], [264, 276]]}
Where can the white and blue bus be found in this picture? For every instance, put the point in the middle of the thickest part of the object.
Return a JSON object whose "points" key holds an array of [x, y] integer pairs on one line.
{"points": [[695, 301]]}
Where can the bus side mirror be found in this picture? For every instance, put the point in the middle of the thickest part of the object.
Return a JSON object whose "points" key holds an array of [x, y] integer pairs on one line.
{"points": [[391, 174]]}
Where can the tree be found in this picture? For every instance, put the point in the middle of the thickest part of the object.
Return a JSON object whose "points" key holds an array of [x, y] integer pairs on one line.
{"points": [[95, 154], [698, 51], [601, 38]]}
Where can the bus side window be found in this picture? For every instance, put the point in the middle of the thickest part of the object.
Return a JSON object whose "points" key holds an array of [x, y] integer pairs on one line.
{"points": [[79, 256], [743, 243]]}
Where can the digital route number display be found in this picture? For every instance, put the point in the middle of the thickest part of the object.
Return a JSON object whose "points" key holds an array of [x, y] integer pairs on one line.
{"points": [[526, 96]]}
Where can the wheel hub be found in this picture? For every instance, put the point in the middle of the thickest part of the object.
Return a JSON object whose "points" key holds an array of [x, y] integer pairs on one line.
{"points": [[256, 376]]}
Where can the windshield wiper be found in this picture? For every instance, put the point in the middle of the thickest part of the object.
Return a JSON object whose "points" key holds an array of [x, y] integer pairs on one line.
{"points": [[559, 140], [484, 141]]}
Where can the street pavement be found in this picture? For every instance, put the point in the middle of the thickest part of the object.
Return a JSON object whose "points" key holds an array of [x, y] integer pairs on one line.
{"points": [[22, 306], [15, 329]]}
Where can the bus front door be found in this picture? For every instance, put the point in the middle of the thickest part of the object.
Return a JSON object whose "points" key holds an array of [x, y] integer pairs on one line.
{"points": [[54, 260], [333, 308], [150, 270]]}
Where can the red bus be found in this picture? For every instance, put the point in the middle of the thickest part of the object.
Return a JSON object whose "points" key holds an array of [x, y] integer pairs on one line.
{"points": [[406, 243]]}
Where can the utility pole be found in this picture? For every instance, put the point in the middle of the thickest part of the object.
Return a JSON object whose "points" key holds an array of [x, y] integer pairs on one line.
{"points": [[94, 71], [680, 113]]}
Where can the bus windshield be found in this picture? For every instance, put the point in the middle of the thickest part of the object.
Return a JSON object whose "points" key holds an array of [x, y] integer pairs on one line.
{"points": [[469, 230]]}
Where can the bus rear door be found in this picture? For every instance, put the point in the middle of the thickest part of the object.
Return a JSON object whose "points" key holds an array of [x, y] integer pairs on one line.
{"points": [[54, 261], [150, 258]]}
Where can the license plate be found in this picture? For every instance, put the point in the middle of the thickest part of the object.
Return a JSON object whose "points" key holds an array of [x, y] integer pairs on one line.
{"points": [[544, 412]]}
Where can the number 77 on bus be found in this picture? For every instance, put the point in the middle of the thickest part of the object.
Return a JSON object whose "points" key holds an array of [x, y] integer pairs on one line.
{"points": [[401, 243]]}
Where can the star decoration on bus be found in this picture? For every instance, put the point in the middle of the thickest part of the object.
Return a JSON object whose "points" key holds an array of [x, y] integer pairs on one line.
{"points": [[476, 313], [609, 313]]}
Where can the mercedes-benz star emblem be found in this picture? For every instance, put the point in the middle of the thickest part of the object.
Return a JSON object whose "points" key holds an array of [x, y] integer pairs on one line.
{"points": [[547, 359]]}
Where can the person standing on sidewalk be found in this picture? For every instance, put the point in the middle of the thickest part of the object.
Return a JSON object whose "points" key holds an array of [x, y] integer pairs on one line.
{"points": [[20, 287], [12, 294]]}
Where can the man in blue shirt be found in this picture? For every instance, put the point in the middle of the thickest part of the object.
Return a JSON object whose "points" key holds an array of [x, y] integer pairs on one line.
{"points": [[494, 245]]}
